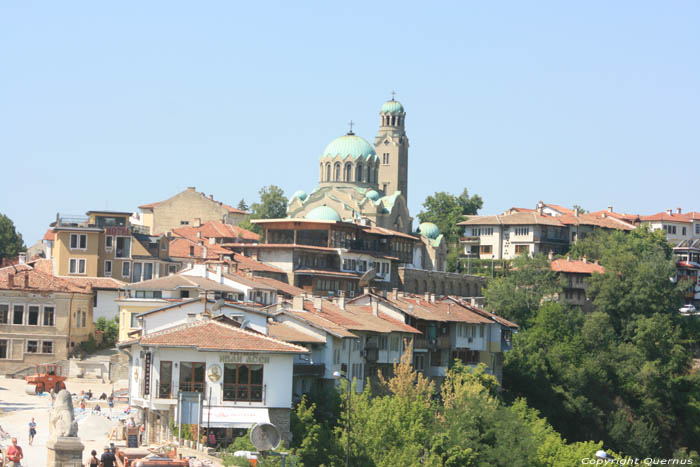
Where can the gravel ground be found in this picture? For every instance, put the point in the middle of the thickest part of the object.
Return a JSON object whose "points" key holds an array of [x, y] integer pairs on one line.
{"points": [[18, 408]]}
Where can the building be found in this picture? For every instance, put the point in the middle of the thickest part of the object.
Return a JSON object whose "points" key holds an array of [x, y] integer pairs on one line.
{"points": [[687, 253], [42, 317], [241, 377], [105, 244], [362, 183], [450, 328], [677, 226], [188, 207], [574, 275]]}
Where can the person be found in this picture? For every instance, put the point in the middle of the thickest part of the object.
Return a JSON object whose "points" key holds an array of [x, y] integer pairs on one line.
{"points": [[89, 394], [131, 423], [93, 461], [82, 405], [107, 458], [103, 396], [32, 431], [2, 457], [142, 432], [97, 408], [212, 439], [110, 401], [14, 454]]}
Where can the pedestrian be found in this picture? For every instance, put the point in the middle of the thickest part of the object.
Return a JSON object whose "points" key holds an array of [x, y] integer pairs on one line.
{"points": [[110, 401], [97, 408], [32, 431], [52, 394], [93, 461], [131, 423], [82, 405], [14, 454], [107, 458]]}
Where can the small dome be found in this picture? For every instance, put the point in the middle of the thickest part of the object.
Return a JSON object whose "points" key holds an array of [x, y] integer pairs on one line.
{"points": [[349, 145], [373, 195], [322, 213], [392, 107], [301, 194], [429, 230]]}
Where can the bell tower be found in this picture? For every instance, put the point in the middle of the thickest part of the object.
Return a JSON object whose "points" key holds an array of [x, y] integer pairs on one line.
{"points": [[391, 146]]}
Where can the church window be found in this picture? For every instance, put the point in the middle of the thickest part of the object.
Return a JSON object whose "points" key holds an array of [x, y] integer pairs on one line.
{"points": [[385, 158], [358, 173], [386, 186], [337, 172], [369, 174], [328, 172], [347, 176], [393, 120]]}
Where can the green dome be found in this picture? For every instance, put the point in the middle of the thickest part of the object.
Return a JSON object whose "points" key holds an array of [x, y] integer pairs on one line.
{"points": [[429, 230], [322, 213], [392, 107], [301, 194], [350, 145], [373, 195]]}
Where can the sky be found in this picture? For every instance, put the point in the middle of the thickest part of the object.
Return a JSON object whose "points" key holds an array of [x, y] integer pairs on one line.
{"points": [[110, 105]]}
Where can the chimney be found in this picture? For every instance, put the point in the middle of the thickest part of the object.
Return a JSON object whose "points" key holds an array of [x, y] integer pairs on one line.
{"points": [[26, 279], [198, 223], [375, 307], [199, 234], [669, 212], [432, 298], [10, 280], [610, 209], [341, 300], [394, 294], [472, 300], [219, 277], [298, 302], [204, 252], [22, 257], [568, 257], [576, 212], [212, 240], [540, 208], [211, 196], [585, 259], [318, 303], [678, 210], [365, 290], [427, 296], [550, 255]]}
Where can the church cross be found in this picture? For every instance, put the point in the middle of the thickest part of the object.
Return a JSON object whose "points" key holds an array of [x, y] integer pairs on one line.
{"points": [[351, 124], [393, 94]]}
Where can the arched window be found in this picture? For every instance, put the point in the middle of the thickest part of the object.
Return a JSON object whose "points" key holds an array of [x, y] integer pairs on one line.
{"points": [[337, 172], [328, 172], [398, 121], [347, 175], [393, 120], [369, 174], [358, 173]]}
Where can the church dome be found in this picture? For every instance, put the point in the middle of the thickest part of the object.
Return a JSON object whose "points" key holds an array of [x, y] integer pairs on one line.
{"points": [[322, 213], [373, 195], [301, 194], [349, 145], [429, 230], [392, 107]]}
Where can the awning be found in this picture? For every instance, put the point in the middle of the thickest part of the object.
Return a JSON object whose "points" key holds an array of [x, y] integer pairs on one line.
{"points": [[234, 417]]}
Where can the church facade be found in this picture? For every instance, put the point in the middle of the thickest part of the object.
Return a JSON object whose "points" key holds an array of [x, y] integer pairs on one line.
{"points": [[361, 183]]}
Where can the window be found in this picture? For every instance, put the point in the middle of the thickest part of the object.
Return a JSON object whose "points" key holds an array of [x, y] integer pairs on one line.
{"points": [[134, 321], [109, 242], [18, 315], [358, 173], [385, 158], [395, 343], [33, 315], [520, 249], [48, 316], [436, 358], [466, 356], [78, 241], [147, 271], [383, 342], [126, 269], [336, 172], [697, 228], [243, 382], [347, 173], [482, 231], [184, 222], [336, 356], [4, 314], [164, 245], [166, 377], [108, 268], [84, 319], [32, 346], [47, 347], [3, 348], [485, 249], [419, 362], [522, 231], [123, 247], [356, 371], [151, 293], [385, 187], [481, 330], [76, 266], [683, 230], [192, 376]]}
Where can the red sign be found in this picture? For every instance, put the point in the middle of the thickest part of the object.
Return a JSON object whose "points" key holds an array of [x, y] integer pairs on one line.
{"points": [[117, 231]]}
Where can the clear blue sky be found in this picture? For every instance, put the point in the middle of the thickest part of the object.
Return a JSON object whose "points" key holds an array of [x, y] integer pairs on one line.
{"points": [[108, 105]]}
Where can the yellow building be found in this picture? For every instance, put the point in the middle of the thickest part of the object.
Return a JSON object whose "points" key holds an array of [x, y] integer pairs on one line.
{"points": [[105, 244]]}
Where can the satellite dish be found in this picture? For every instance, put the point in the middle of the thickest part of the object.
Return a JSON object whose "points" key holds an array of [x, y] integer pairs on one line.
{"points": [[366, 277], [218, 304], [265, 436]]}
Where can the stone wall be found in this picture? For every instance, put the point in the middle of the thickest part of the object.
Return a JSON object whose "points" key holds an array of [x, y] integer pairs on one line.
{"points": [[281, 419], [421, 281]]}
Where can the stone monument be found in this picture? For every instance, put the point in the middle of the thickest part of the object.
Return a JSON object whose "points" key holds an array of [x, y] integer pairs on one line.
{"points": [[64, 446]]}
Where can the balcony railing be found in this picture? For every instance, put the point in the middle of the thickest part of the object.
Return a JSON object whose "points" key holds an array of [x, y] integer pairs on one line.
{"points": [[243, 392], [471, 239], [165, 391], [309, 369], [192, 387]]}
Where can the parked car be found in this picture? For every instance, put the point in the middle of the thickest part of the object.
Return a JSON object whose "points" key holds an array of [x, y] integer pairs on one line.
{"points": [[688, 309]]}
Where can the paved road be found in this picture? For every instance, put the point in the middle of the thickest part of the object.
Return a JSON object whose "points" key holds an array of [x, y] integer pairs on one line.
{"points": [[18, 408]]}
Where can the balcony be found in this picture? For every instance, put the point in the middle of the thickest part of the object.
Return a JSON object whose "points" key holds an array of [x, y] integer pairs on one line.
{"points": [[309, 369], [371, 354], [470, 240], [443, 342], [192, 387], [243, 392], [165, 391]]}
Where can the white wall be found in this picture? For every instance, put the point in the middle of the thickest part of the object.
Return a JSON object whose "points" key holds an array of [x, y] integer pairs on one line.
{"points": [[175, 316], [107, 307]]}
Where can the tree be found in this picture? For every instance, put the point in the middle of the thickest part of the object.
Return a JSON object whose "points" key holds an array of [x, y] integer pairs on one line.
{"points": [[242, 205], [272, 205], [446, 210], [11, 242], [110, 329], [579, 209]]}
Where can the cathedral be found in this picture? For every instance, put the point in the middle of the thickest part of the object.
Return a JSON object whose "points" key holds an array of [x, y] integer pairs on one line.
{"points": [[361, 183]]}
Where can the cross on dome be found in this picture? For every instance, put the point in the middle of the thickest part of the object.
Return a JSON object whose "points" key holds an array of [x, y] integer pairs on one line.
{"points": [[393, 94], [351, 124]]}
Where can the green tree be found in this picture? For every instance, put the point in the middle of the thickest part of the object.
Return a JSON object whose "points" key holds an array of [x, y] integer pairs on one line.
{"points": [[110, 329], [242, 205], [312, 439], [272, 205], [446, 210], [11, 242]]}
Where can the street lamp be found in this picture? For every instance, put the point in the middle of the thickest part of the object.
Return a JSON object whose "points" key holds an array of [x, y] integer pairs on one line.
{"points": [[339, 375]]}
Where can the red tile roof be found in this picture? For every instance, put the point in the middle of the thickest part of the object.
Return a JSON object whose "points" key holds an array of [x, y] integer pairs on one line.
{"points": [[560, 209], [49, 235], [287, 333], [180, 248], [664, 216], [37, 281], [602, 220], [576, 267], [213, 229], [280, 286], [484, 313], [214, 335], [96, 282], [249, 264], [230, 209], [278, 245], [440, 310]]}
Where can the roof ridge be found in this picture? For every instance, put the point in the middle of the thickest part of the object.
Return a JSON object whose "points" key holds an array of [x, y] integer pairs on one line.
{"points": [[257, 334]]}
